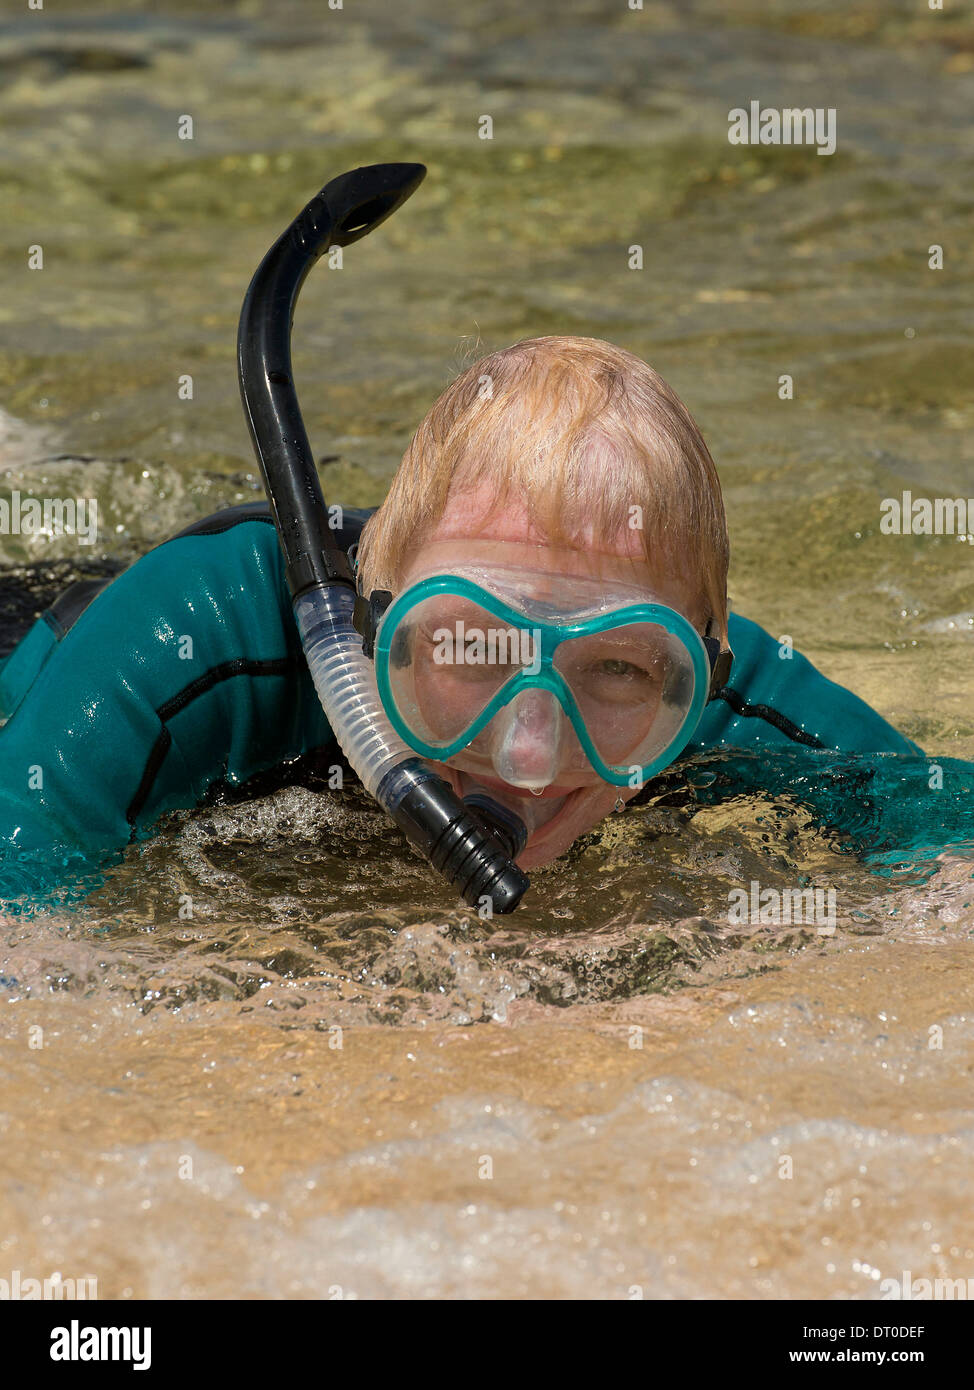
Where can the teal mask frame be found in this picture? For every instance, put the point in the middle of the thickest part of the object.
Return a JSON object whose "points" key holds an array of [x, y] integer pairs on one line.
{"points": [[546, 678]]}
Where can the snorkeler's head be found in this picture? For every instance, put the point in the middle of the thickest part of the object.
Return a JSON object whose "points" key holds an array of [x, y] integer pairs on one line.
{"points": [[587, 439], [568, 456]]}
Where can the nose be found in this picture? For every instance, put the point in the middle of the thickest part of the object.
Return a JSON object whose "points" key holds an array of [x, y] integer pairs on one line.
{"points": [[526, 740]]}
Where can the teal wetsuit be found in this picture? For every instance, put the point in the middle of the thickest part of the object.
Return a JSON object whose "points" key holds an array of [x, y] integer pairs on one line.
{"points": [[186, 673]]}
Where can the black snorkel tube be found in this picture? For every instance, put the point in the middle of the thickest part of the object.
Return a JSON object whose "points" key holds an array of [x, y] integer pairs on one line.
{"points": [[472, 845]]}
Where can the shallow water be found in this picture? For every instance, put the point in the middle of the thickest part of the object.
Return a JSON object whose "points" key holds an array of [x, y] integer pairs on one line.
{"points": [[277, 1059]]}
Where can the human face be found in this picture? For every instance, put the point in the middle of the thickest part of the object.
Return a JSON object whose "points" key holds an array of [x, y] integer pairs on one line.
{"points": [[562, 812]]}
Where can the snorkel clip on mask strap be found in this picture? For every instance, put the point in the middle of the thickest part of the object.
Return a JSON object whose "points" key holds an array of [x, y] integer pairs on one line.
{"points": [[367, 615], [720, 666]]}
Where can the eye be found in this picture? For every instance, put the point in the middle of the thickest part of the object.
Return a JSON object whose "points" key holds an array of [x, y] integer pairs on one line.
{"points": [[616, 667], [617, 680]]}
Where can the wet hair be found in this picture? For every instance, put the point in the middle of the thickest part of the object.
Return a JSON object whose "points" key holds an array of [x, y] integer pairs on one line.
{"points": [[588, 438]]}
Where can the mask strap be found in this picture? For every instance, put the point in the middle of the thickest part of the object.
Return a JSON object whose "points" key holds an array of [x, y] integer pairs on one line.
{"points": [[720, 662]]}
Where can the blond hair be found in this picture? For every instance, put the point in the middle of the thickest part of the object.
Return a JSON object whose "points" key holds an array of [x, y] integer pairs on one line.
{"points": [[583, 433]]}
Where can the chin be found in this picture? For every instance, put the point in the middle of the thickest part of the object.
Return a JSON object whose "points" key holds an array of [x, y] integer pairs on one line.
{"points": [[590, 808], [545, 849], [535, 857]]}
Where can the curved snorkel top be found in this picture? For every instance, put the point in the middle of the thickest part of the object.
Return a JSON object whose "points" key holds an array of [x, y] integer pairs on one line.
{"points": [[472, 843]]}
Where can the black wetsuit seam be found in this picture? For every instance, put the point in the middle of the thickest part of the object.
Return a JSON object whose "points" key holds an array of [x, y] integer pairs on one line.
{"points": [[227, 670], [154, 762], [191, 535], [770, 715]]}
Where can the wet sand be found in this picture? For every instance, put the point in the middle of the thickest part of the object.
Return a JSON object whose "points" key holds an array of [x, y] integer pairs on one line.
{"points": [[797, 1134]]}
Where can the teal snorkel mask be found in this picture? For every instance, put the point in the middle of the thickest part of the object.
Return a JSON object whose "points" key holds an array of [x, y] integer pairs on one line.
{"points": [[539, 679]]}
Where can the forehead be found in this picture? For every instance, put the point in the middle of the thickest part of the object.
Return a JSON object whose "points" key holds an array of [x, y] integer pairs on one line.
{"points": [[467, 534], [467, 517]]}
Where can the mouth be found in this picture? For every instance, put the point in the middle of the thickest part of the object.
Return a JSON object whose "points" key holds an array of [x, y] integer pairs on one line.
{"points": [[494, 784], [541, 814]]}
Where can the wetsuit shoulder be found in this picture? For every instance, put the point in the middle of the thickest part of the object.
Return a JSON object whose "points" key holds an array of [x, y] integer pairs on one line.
{"points": [[183, 671], [782, 729], [775, 697]]}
